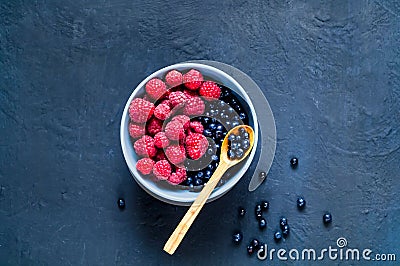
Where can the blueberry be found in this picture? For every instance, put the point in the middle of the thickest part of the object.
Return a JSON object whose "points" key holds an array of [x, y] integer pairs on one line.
{"points": [[294, 162], [245, 144], [121, 203], [198, 182], [285, 231], [301, 203], [200, 174], [277, 236], [230, 110], [238, 138], [239, 153], [255, 243], [235, 123], [231, 137], [250, 249], [235, 118], [207, 133], [189, 180], [218, 134], [242, 130], [246, 135], [210, 167], [282, 222], [207, 174], [241, 211], [231, 155], [327, 218], [212, 126], [234, 146], [214, 157], [265, 205], [237, 237], [210, 151], [206, 120], [222, 104], [262, 223], [212, 113]]}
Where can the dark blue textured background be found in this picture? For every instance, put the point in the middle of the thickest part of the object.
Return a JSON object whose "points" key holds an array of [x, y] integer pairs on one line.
{"points": [[331, 73]]}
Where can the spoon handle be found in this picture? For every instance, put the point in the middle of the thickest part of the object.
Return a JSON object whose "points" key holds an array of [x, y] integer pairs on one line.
{"points": [[181, 230]]}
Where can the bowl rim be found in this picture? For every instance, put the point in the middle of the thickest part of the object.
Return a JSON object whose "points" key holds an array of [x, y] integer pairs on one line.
{"points": [[187, 200]]}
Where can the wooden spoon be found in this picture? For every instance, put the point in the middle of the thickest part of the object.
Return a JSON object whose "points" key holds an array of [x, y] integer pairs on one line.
{"points": [[225, 163]]}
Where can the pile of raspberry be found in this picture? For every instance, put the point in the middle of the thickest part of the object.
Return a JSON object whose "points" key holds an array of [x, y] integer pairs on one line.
{"points": [[163, 127]]}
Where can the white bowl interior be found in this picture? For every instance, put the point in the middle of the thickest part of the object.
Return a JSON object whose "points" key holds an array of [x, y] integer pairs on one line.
{"points": [[180, 195]]}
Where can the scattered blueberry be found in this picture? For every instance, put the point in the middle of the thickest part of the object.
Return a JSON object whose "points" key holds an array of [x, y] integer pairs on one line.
{"points": [[282, 222], [277, 236], [255, 243], [231, 155], [237, 237], [264, 205], [301, 203], [121, 203], [258, 211], [285, 231], [242, 211], [262, 223], [327, 218], [250, 249], [294, 162]]}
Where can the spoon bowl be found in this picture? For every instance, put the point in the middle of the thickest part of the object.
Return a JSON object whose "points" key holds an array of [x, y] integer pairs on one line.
{"points": [[225, 163]]}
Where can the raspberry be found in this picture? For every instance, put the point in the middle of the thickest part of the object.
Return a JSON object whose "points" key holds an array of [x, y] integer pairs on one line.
{"points": [[174, 130], [177, 98], [183, 119], [144, 147], [161, 140], [167, 102], [154, 126], [173, 78], [194, 106], [162, 111], [162, 170], [178, 177], [160, 156], [197, 127], [175, 154], [193, 79], [136, 131], [156, 88], [145, 166], [210, 90], [196, 145], [140, 110]]}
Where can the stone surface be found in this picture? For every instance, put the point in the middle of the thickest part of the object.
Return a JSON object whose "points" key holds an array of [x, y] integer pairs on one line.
{"points": [[331, 73]]}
